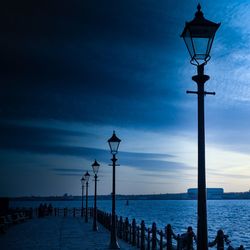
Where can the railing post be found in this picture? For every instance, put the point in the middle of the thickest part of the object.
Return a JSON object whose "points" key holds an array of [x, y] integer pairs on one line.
{"points": [[168, 232], [130, 233], [149, 238], [74, 212], [119, 228], [133, 232], [138, 236], [105, 220], [142, 235], [161, 240], [97, 214], [126, 229], [154, 241], [110, 222], [179, 242], [116, 223], [31, 213]]}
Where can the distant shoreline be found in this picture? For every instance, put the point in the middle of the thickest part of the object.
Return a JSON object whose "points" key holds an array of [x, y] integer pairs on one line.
{"points": [[179, 196]]}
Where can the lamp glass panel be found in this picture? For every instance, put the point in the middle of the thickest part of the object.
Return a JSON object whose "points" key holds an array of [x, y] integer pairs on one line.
{"points": [[95, 168], [86, 176], [114, 146], [83, 181], [201, 47], [188, 41]]}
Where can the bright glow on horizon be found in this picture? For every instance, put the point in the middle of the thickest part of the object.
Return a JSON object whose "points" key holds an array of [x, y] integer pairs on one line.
{"points": [[225, 168]]}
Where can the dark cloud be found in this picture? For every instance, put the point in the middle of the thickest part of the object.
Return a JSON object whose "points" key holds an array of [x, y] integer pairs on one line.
{"points": [[47, 141], [91, 61], [68, 174], [67, 170], [115, 63], [23, 138]]}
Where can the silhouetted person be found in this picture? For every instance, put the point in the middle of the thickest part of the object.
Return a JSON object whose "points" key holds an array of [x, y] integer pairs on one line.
{"points": [[50, 209], [45, 209], [169, 234], [219, 240], [187, 239], [240, 248], [40, 211]]}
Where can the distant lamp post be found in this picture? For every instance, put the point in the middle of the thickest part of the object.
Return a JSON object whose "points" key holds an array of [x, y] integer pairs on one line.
{"points": [[198, 36], [83, 183], [95, 167], [86, 177], [113, 142]]}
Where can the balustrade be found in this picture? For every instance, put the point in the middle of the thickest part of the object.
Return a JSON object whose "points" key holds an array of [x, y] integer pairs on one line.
{"points": [[142, 237]]}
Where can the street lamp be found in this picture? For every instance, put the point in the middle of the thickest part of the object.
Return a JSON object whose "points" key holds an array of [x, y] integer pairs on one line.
{"points": [[198, 36], [95, 167], [113, 142], [86, 177], [83, 183]]}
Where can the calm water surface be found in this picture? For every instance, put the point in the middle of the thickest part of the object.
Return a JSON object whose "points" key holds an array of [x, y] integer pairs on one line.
{"points": [[233, 216]]}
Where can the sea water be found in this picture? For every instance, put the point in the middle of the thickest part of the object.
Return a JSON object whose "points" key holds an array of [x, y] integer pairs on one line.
{"points": [[232, 216]]}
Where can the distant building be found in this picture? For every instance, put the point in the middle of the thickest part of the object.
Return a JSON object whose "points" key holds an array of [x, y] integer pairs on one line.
{"points": [[212, 193]]}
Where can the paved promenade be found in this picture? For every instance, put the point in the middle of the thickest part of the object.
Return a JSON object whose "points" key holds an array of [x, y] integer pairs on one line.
{"points": [[57, 233]]}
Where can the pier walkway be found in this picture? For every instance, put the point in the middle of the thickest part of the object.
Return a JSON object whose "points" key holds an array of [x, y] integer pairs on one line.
{"points": [[57, 233]]}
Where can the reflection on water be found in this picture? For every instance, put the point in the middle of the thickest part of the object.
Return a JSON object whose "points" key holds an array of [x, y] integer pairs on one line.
{"points": [[232, 216]]}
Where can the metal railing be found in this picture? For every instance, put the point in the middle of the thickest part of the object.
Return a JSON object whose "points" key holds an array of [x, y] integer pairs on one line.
{"points": [[147, 238], [150, 238]]}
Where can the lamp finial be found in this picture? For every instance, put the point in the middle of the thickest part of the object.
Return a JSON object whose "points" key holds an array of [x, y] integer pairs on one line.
{"points": [[199, 7], [199, 13]]}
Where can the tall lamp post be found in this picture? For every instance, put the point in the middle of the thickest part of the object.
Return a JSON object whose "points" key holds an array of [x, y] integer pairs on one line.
{"points": [[113, 142], [198, 36], [83, 183], [86, 176], [95, 167]]}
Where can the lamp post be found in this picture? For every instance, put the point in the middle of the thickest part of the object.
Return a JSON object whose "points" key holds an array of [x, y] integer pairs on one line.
{"points": [[95, 167], [86, 176], [198, 36], [113, 142], [83, 183]]}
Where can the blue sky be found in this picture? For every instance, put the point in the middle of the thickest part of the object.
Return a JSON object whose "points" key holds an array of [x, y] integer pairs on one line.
{"points": [[71, 73]]}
